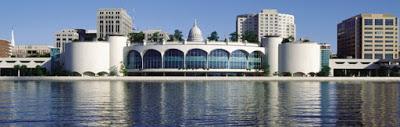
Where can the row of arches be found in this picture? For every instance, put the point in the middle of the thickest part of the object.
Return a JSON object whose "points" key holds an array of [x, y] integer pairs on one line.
{"points": [[195, 59]]}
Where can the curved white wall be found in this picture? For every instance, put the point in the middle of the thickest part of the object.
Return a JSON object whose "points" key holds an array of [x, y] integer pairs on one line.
{"points": [[299, 57], [87, 56], [271, 45], [117, 44]]}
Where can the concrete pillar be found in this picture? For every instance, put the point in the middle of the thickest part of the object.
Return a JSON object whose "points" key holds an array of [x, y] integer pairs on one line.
{"points": [[271, 45]]}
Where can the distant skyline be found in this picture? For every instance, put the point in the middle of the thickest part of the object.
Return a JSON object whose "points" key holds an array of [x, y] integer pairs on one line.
{"points": [[36, 22]]}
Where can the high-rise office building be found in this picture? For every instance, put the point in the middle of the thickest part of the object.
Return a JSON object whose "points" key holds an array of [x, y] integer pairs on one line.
{"points": [[368, 36], [113, 21], [269, 22], [68, 35]]}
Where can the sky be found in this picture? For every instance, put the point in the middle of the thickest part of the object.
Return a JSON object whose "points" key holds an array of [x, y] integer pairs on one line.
{"points": [[36, 21]]}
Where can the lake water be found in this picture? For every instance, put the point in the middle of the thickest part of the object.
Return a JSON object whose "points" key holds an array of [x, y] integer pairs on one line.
{"points": [[201, 103]]}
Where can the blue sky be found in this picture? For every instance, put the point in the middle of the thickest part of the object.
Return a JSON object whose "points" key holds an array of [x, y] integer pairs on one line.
{"points": [[36, 21]]}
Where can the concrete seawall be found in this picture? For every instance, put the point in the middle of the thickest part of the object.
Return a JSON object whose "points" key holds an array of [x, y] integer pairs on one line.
{"points": [[180, 78]]}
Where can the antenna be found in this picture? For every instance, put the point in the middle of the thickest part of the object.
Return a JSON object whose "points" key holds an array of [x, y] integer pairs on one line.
{"points": [[12, 38]]}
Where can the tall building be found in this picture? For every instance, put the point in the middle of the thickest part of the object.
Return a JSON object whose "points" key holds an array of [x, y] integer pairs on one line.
{"points": [[269, 22], [70, 35], [5, 48], [368, 36], [113, 21], [325, 54]]}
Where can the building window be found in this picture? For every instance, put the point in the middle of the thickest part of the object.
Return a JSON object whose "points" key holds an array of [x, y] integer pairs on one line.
{"points": [[196, 58], [378, 22], [368, 22], [134, 60], [218, 59], [152, 59], [389, 22], [238, 60], [255, 60], [367, 56], [173, 58], [388, 56], [378, 56]]}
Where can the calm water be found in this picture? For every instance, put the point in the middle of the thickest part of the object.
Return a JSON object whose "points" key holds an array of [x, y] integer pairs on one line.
{"points": [[203, 103]]}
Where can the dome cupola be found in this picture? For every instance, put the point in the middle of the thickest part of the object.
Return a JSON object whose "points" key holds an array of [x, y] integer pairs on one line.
{"points": [[195, 33]]}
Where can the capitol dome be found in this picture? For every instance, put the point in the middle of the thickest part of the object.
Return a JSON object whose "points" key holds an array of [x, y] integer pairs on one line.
{"points": [[195, 33]]}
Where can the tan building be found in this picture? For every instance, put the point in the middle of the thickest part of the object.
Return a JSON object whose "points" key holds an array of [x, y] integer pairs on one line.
{"points": [[113, 21], [155, 35], [23, 51], [269, 22], [368, 36], [5, 48]]}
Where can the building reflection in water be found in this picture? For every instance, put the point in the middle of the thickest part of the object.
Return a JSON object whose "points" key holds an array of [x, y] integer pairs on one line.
{"points": [[199, 103]]}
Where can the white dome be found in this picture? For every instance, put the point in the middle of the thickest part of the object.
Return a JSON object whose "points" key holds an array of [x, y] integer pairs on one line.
{"points": [[195, 33]]}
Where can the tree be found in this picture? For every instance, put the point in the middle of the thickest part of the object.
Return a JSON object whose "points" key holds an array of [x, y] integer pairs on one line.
{"points": [[383, 70], [178, 36], [17, 68], [214, 36], [39, 71], [250, 36], [123, 70], [136, 37], [288, 39], [23, 70], [233, 36], [325, 70]]}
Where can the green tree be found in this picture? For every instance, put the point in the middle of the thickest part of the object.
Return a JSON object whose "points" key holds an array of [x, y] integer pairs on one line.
{"points": [[136, 37], [383, 70], [214, 36], [123, 70], [233, 36], [178, 36], [250, 36], [325, 70], [288, 39], [39, 71], [17, 68], [23, 70]]}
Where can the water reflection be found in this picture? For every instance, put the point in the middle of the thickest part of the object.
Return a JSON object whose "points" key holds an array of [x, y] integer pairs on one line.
{"points": [[199, 103]]}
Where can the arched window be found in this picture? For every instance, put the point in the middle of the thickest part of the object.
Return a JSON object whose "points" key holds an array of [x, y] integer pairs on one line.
{"points": [[134, 60], [238, 59], [152, 59], [196, 58], [173, 58], [218, 59], [255, 60]]}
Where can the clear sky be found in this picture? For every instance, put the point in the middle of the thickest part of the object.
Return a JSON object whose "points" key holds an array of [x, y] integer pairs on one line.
{"points": [[36, 21]]}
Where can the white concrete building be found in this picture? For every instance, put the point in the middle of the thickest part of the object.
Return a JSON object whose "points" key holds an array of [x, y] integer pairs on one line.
{"points": [[157, 34], [269, 22], [299, 58], [66, 36], [91, 58], [22, 51], [113, 21]]}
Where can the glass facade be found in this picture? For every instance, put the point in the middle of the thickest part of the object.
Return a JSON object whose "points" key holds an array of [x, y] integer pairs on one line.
{"points": [[134, 60], [173, 58], [196, 58], [152, 59], [325, 55], [218, 59], [368, 22], [255, 60], [238, 59]]}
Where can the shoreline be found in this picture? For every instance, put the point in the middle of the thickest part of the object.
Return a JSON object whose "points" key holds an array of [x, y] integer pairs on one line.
{"points": [[181, 78]]}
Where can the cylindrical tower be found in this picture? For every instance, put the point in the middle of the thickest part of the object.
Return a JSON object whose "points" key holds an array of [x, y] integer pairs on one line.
{"points": [[271, 44], [299, 59], [117, 44], [87, 57]]}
